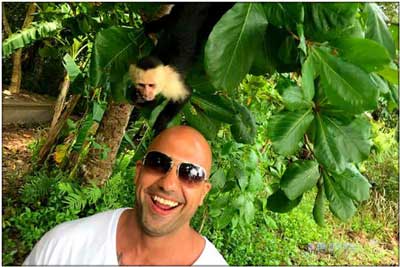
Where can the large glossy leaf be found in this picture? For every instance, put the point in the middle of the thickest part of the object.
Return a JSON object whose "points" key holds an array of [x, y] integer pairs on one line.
{"points": [[284, 14], [353, 183], [294, 99], [265, 60], [231, 46], [346, 85], [214, 106], [299, 177], [307, 79], [340, 204], [325, 148], [278, 202], [319, 209], [114, 50], [286, 130], [244, 127], [367, 54], [29, 35], [376, 28], [327, 21], [200, 121], [352, 140]]}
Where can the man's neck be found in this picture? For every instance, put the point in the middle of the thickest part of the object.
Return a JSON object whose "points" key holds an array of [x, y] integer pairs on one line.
{"points": [[135, 247]]}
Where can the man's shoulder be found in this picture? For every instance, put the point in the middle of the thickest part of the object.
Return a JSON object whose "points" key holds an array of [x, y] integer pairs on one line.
{"points": [[210, 255], [84, 240], [86, 225]]}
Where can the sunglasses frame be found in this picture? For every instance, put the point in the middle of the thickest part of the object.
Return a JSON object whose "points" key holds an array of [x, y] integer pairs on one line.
{"points": [[173, 162]]}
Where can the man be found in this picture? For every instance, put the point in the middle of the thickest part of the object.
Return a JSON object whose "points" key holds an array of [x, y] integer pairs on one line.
{"points": [[171, 183]]}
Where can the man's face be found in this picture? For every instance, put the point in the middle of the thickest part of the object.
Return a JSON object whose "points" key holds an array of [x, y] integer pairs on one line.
{"points": [[164, 202]]}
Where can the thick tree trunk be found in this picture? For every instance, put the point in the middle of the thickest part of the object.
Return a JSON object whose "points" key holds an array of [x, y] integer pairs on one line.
{"points": [[16, 75], [110, 134]]}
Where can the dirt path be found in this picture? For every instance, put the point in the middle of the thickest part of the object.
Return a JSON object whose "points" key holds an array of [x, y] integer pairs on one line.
{"points": [[16, 155]]}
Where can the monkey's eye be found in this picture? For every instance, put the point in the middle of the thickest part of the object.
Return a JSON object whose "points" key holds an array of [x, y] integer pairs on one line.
{"points": [[151, 85]]}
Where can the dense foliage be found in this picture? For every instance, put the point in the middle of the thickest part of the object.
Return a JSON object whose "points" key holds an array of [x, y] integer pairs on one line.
{"points": [[296, 139]]}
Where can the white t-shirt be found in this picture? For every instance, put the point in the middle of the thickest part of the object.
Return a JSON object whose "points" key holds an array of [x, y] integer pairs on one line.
{"points": [[92, 241]]}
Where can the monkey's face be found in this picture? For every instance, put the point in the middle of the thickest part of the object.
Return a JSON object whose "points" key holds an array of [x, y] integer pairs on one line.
{"points": [[148, 82]]}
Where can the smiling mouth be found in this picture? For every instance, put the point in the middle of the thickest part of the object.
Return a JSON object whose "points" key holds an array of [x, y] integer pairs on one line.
{"points": [[164, 204]]}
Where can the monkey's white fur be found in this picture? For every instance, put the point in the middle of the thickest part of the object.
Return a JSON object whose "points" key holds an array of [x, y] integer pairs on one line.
{"points": [[167, 81]]}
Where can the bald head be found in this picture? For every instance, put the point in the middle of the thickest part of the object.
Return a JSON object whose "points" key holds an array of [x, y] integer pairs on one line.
{"points": [[184, 143]]}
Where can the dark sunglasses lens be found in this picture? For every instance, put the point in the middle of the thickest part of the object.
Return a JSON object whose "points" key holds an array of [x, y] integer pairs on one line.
{"points": [[191, 173], [157, 161]]}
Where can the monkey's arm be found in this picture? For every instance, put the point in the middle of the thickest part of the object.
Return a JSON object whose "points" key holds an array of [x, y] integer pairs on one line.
{"points": [[167, 114]]}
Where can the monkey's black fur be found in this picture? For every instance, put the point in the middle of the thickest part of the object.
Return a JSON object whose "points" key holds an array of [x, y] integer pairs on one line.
{"points": [[182, 33]]}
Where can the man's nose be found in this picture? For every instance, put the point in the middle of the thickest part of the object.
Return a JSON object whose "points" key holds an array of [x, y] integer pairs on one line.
{"points": [[170, 180]]}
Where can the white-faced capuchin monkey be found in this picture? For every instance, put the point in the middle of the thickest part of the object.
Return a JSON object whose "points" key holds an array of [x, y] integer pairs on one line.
{"points": [[182, 34]]}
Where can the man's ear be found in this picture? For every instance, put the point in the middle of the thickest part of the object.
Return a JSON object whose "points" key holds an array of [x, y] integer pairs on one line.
{"points": [[138, 169], [206, 188]]}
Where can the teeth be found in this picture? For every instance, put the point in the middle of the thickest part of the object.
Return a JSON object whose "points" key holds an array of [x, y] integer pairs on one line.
{"points": [[167, 202]]}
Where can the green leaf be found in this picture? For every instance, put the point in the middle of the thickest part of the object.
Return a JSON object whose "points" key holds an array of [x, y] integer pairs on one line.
{"points": [[353, 183], [284, 14], [225, 218], [307, 78], [366, 54], [242, 178], [339, 203], [327, 21], [278, 202], [200, 121], [325, 148], [376, 28], [286, 130], [114, 50], [214, 106], [380, 83], [248, 210], [251, 160], [27, 36], [244, 127], [346, 85], [218, 179], [390, 73], [231, 46], [294, 99], [83, 133], [394, 30], [299, 177], [319, 209], [353, 139], [302, 45], [256, 182], [264, 58], [98, 111], [71, 67]]}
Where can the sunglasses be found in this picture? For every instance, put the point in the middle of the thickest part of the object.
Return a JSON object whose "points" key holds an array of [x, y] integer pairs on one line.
{"points": [[187, 172]]}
